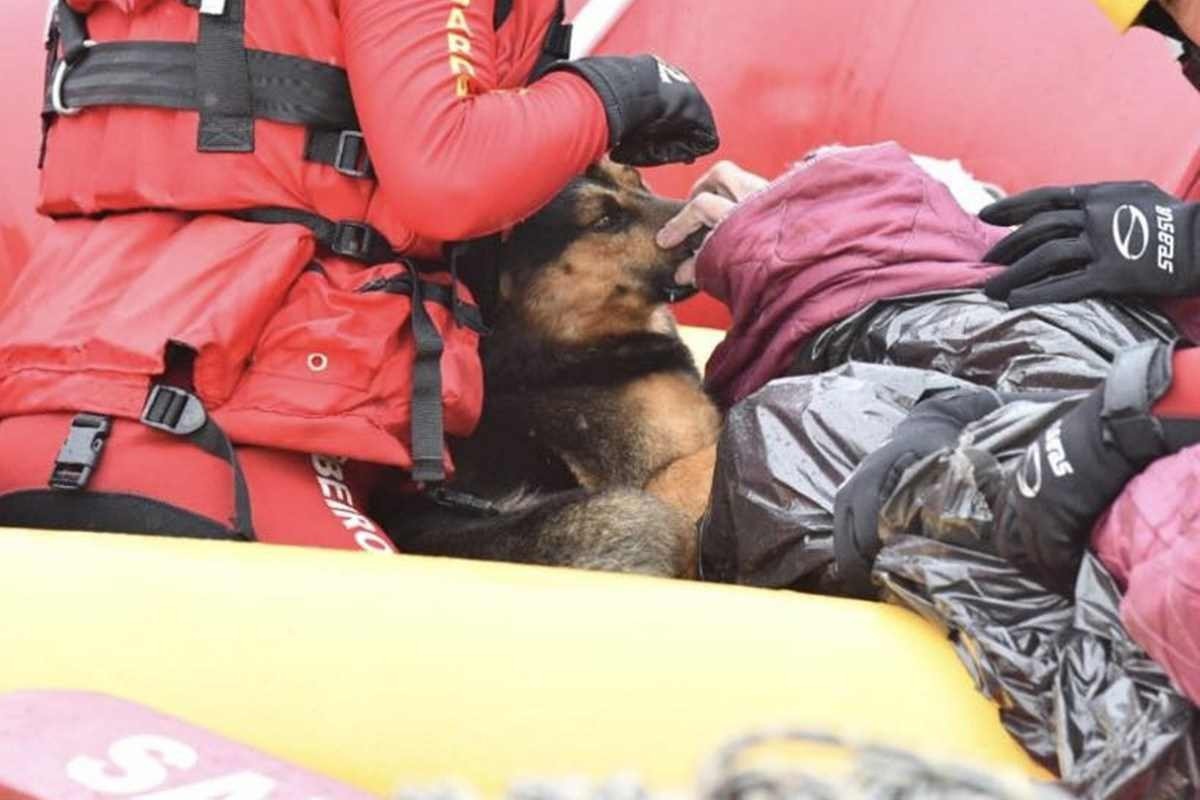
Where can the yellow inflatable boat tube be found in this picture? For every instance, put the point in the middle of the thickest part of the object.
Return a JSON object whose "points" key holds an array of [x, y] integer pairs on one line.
{"points": [[384, 671]]}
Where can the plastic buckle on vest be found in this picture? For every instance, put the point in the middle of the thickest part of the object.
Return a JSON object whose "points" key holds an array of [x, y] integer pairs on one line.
{"points": [[353, 240], [352, 158], [80, 452], [173, 410], [60, 76]]}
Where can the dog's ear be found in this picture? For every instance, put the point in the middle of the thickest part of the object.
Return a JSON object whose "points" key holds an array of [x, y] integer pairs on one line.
{"points": [[628, 177], [615, 176], [601, 172]]}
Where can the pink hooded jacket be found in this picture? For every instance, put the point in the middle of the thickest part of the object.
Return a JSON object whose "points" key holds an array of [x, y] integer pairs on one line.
{"points": [[847, 228], [838, 232]]}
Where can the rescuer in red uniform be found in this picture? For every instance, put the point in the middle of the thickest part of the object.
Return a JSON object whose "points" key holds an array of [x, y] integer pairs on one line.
{"points": [[253, 208]]}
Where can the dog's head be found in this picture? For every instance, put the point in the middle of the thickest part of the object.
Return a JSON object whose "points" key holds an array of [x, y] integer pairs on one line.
{"points": [[587, 267]]}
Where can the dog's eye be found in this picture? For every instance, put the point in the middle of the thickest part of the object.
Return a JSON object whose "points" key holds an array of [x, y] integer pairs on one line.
{"points": [[609, 222]]}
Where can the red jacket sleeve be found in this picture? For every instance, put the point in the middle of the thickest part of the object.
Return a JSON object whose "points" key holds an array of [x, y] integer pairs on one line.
{"points": [[458, 157]]}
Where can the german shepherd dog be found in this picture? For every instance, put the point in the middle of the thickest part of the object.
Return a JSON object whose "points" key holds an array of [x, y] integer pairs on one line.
{"points": [[591, 398]]}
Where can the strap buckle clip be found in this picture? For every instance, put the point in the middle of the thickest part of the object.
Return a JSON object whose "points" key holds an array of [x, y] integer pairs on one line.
{"points": [[353, 240], [352, 158], [80, 452], [174, 410]]}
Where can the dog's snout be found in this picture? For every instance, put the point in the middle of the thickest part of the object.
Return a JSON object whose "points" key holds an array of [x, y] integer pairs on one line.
{"points": [[693, 243], [688, 247]]}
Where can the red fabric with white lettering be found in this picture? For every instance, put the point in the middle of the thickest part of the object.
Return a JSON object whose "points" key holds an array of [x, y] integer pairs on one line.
{"points": [[71, 745], [295, 498]]}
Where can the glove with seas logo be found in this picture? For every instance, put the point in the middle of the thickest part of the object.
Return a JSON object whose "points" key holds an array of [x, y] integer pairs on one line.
{"points": [[1079, 465], [1112, 239]]}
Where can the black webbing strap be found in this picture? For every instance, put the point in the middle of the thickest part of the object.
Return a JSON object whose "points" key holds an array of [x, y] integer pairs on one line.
{"points": [[179, 412], [223, 80], [465, 314], [427, 423], [227, 83], [477, 263], [557, 44], [356, 240], [345, 151], [72, 33], [67, 28], [500, 13], [284, 88]]}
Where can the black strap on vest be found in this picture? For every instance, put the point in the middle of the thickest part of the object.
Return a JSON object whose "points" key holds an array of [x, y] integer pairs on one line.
{"points": [[477, 264], [345, 151], [501, 12], [557, 44], [355, 240], [467, 315], [181, 413], [428, 435], [223, 79], [427, 432], [170, 409], [283, 88], [228, 84]]}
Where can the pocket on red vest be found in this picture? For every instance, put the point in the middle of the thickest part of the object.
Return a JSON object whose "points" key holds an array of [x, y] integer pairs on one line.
{"points": [[102, 301], [333, 370]]}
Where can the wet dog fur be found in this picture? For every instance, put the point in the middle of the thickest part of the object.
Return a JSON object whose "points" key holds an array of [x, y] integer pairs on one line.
{"points": [[590, 397]]}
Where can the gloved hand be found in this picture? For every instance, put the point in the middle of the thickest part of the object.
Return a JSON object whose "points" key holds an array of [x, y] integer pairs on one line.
{"points": [[1045, 513], [932, 425], [656, 115], [1102, 239]]}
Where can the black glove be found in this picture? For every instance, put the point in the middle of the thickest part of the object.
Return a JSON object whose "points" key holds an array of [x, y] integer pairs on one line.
{"points": [[1103, 239], [656, 115], [1080, 464], [932, 425]]}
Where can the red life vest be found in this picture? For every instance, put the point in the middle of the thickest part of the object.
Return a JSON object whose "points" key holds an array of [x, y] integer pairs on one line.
{"points": [[216, 196]]}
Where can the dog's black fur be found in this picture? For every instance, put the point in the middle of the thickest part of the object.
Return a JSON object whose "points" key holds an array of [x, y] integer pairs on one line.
{"points": [[589, 393]]}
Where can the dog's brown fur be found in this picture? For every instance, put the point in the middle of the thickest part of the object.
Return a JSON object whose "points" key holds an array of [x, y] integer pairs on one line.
{"points": [[591, 397]]}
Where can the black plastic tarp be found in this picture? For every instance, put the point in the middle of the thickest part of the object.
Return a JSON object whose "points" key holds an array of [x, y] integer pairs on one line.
{"points": [[1072, 687]]}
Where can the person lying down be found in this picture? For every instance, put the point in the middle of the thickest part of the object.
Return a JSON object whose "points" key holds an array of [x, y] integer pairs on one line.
{"points": [[888, 422]]}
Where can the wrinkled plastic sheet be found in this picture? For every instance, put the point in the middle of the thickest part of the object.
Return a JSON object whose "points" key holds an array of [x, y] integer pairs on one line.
{"points": [[1071, 685], [1066, 346], [1079, 695], [781, 457]]}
